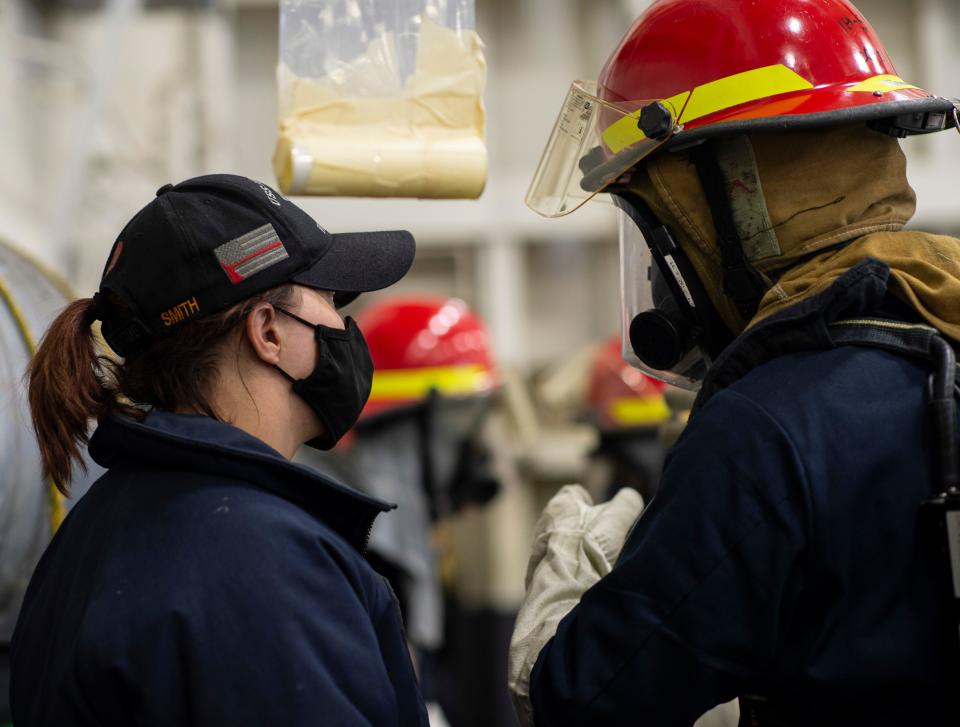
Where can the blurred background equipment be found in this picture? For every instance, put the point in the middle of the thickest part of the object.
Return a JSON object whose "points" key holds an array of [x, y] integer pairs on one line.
{"points": [[604, 424], [30, 508], [423, 442], [381, 99]]}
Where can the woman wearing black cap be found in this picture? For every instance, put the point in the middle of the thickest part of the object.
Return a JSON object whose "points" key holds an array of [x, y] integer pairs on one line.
{"points": [[206, 579]]}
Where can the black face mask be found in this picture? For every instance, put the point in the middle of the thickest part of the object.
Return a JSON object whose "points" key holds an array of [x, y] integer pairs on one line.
{"points": [[339, 385]]}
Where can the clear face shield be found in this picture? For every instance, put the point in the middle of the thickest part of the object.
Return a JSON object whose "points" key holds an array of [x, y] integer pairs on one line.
{"points": [[659, 328], [593, 143]]}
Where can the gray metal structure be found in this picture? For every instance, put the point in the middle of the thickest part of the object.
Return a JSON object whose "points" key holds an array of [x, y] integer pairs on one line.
{"points": [[29, 300]]}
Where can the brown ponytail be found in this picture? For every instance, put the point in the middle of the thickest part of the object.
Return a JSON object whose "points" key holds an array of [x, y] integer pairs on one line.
{"points": [[67, 390], [73, 383]]}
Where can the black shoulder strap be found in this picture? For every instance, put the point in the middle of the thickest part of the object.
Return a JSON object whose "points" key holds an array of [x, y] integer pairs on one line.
{"points": [[918, 341], [911, 339]]}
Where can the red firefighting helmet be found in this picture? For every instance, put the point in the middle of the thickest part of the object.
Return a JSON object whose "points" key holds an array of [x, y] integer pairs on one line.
{"points": [[620, 396], [424, 343], [690, 69]]}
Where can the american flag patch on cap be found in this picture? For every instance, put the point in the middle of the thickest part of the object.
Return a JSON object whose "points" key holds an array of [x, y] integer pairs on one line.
{"points": [[250, 254]]}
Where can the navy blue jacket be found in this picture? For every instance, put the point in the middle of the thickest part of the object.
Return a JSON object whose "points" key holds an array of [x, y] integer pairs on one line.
{"points": [[206, 580], [780, 557]]}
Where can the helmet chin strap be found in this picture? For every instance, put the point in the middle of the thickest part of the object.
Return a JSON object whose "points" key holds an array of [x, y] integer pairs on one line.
{"points": [[741, 281]]}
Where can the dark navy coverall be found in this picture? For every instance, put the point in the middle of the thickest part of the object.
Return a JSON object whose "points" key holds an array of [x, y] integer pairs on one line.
{"points": [[206, 580], [780, 557]]}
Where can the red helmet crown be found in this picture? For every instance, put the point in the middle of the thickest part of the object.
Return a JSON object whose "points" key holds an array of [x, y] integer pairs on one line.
{"points": [[619, 395], [768, 64], [425, 343]]}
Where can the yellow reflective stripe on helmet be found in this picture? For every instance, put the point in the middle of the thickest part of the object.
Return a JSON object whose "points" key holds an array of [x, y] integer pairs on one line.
{"points": [[626, 132], [882, 84], [57, 507], [417, 383], [742, 88], [633, 410], [724, 93]]}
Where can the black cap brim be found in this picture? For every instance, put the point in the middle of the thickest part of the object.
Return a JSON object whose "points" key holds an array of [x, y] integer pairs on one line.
{"points": [[358, 262]]}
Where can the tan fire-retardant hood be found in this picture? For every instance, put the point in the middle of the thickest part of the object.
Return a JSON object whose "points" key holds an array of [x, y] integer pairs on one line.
{"points": [[794, 194]]}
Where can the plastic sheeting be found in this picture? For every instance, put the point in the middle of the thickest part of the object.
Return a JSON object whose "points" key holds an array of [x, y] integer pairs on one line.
{"points": [[381, 98]]}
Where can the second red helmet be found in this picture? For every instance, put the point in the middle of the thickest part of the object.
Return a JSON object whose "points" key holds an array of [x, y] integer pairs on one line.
{"points": [[425, 343]]}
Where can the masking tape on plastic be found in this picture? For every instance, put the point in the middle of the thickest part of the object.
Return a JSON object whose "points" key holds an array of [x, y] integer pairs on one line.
{"points": [[323, 160], [359, 132]]}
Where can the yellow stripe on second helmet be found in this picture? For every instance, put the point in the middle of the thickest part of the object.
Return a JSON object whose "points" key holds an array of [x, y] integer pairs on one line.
{"points": [[634, 411], [405, 384], [882, 84]]}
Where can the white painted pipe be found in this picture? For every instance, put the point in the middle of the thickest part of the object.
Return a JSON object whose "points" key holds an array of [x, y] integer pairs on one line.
{"points": [[118, 15]]}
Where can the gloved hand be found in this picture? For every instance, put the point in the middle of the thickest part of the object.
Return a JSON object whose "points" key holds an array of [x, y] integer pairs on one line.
{"points": [[575, 544]]}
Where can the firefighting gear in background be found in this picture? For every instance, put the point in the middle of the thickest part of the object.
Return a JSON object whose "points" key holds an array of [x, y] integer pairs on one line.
{"points": [[621, 397], [426, 343], [627, 408], [337, 388], [30, 509], [756, 571], [256, 575], [427, 459], [420, 444], [575, 544]]}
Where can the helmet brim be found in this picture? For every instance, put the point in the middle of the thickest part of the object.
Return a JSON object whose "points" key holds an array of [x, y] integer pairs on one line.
{"points": [[910, 112]]}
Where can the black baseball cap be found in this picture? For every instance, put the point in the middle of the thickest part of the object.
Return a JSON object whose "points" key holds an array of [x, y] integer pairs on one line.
{"points": [[210, 242]]}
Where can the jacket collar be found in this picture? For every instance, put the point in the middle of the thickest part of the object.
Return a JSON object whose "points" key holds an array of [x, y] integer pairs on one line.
{"points": [[802, 327], [203, 445]]}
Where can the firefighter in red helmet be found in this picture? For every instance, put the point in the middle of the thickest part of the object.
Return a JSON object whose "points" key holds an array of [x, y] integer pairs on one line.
{"points": [[419, 444], [796, 555], [627, 407]]}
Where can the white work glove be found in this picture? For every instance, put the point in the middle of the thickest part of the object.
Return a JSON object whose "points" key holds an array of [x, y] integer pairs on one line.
{"points": [[575, 544]]}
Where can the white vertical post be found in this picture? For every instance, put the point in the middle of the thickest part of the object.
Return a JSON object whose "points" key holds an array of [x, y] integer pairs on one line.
{"points": [[12, 120], [938, 58], [936, 30], [217, 66], [502, 296], [118, 16]]}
